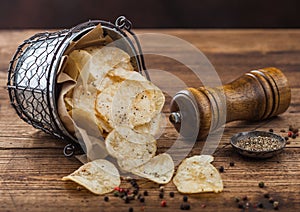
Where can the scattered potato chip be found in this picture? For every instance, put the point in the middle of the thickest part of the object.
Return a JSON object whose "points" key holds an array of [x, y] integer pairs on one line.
{"points": [[159, 169], [99, 176], [196, 174], [130, 148]]}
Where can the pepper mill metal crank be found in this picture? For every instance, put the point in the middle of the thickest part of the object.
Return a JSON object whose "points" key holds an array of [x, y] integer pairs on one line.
{"points": [[255, 96]]}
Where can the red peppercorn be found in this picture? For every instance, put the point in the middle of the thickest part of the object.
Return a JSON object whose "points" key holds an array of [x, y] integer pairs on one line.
{"points": [[290, 133], [163, 203], [117, 189]]}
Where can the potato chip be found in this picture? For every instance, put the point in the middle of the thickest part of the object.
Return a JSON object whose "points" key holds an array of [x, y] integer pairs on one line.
{"points": [[196, 175], [76, 61], [99, 176], [104, 60], [159, 169], [155, 127], [139, 101], [130, 148]]}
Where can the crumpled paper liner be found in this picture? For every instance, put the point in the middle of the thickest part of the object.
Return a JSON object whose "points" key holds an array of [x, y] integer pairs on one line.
{"points": [[90, 142]]}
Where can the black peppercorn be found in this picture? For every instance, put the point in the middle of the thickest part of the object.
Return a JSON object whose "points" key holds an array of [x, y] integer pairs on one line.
{"points": [[294, 136], [260, 205], [185, 206], [240, 205], [172, 194], [126, 199], [145, 193], [185, 198], [106, 198], [237, 199], [261, 184], [231, 163], [130, 209], [267, 195], [271, 130], [142, 199], [221, 169], [245, 198], [161, 195]]}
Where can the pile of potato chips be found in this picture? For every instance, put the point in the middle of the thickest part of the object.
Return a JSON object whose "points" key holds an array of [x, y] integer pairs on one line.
{"points": [[115, 109]]}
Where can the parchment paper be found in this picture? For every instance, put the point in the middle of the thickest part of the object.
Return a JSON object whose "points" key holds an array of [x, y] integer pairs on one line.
{"points": [[91, 141]]}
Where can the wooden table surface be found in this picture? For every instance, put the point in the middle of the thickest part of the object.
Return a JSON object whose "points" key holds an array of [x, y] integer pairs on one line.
{"points": [[32, 163]]}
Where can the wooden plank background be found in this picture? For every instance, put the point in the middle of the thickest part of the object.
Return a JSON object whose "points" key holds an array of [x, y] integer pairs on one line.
{"points": [[32, 163]]}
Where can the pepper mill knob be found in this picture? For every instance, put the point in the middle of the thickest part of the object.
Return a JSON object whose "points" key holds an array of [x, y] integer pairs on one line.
{"points": [[255, 96]]}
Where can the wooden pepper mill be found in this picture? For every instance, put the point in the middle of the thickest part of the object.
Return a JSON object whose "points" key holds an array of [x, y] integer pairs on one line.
{"points": [[255, 96]]}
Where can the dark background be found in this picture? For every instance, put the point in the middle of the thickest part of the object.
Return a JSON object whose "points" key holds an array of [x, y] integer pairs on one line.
{"points": [[152, 14]]}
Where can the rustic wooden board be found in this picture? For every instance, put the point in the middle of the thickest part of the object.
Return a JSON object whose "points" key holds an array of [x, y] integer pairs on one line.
{"points": [[32, 163]]}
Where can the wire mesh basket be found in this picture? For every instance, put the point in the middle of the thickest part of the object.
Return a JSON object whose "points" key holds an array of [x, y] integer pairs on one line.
{"points": [[33, 69]]}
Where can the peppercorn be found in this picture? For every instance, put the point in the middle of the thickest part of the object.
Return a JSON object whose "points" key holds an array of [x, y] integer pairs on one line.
{"points": [[116, 193], [126, 199], [185, 206], [291, 128], [261, 184], [240, 205], [135, 192], [295, 130], [247, 205], [294, 136], [271, 130], [161, 195], [106, 198], [275, 205], [161, 188], [245, 198], [163, 203], [142, 199], [267, 195], [131, 197], [288, 142], [260, 205], [172, 194], [221, 169], [271, 200], [290, 133], [185, 198], [237, 199], [145, 193], [283, 130], [286, 138], [231, 163], [130, 209]]}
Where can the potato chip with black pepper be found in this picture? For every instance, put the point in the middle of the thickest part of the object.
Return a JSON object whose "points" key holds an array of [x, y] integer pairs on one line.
{"points": [[196, 175], [99, 176]]}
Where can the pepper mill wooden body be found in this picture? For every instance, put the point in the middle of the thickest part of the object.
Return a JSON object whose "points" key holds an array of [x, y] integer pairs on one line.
{"points": [[255, 96]]}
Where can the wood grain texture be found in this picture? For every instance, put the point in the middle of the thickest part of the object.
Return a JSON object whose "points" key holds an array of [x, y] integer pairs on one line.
{"points": [[32, 163]]}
